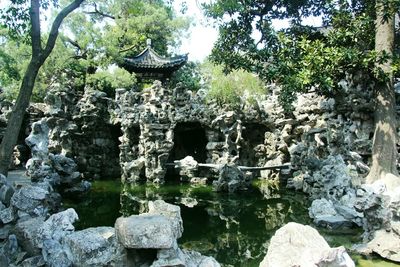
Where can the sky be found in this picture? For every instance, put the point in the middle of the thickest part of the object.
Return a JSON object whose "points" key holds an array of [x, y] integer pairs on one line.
{"points": [[202, 35]]}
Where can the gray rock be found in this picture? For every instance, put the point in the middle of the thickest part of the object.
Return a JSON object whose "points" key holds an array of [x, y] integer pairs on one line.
{"points": [[38, 140], [58, 225], [386, 244], [172, 212], [299, 245], [324, 214], [145, 231], [36, 261], [195, 259], [94, 247], [177, 257], [231, 179], [55, 255], [27, 235], [5, 231], [7, 215], [28, 198], [6, 192]]}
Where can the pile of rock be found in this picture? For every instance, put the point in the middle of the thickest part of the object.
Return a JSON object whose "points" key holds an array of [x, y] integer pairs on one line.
{"points": [[80, 128], [56, 170], [54, 242]]}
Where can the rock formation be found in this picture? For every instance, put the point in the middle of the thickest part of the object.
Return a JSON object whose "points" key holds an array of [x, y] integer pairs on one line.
{"points": [[300, 245]]}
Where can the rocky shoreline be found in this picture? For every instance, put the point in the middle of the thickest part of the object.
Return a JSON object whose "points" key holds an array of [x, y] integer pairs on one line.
{"points": [[326, 141]]}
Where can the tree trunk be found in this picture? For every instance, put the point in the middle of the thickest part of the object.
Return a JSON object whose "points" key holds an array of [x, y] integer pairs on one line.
{"points": [[15, 120], [384, 151], [39, 56]]}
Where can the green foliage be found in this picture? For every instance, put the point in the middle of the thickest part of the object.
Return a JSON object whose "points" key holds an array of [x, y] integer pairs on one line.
{"points": [[189, 76], [91, 40], [109, 80], [299, 58], [233, 87]]}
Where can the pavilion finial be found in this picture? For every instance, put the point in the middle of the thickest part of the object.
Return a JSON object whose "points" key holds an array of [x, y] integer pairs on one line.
{"points": [[148, 42]]}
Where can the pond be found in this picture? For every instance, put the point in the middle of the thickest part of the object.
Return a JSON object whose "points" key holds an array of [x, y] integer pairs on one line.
{"points": [[233, 228]]}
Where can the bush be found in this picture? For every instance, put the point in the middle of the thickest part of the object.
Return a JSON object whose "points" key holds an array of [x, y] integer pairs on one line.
{"points": [[232, 88]]}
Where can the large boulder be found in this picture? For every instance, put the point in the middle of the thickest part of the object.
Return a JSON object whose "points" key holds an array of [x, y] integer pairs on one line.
{"points": [[31, 199], [172, 212], [300, 245], [93, 247], [231, 179], [386, 244], [27, 234], [58, 225], [324, 214], [145, 231]]}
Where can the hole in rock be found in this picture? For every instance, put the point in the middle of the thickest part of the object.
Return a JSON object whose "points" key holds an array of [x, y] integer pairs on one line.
{"points": [[253, 134], [189, 140]]}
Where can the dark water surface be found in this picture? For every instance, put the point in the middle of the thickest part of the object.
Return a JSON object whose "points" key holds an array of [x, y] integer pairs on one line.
{"points": [[234, 228]]}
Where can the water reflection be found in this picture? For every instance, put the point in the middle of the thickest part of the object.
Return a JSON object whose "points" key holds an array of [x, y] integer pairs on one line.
{"points": [[234, 228]]}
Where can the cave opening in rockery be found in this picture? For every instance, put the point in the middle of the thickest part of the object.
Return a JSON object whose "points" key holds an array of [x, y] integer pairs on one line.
{"points": [[189, 140]]}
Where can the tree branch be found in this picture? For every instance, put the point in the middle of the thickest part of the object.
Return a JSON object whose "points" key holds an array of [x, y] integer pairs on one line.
{"points": [[56, 25], [35, 30], [127, 49], [72, 42], [98, 12]]}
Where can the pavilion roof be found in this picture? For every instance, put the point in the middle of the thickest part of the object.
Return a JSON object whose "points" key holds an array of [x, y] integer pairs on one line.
{"points": [[149, 61]]}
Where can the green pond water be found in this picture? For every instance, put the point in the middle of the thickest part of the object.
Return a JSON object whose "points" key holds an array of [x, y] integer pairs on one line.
{"points": [[233, 228]]}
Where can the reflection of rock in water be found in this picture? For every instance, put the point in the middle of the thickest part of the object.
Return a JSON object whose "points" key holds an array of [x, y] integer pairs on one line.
{"points": [[202, 246], [231, 227]]}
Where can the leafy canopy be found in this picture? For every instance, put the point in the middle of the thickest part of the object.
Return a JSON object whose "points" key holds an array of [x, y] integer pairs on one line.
{"points": [[91, 40], [299, 58]]}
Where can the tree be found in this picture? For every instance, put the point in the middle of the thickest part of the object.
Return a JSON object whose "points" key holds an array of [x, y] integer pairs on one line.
{"points": [[95, 38], [39, 54], [384, 150], [358, 36]]}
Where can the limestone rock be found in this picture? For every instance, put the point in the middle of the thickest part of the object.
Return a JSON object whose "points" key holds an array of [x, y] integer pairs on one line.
{"points": [[173, 212], [27, 234], [36, 261], [6, 192], [54, 254], [145, 231], [231, 179], [177, 257], [31, 199], [93, 247], [195, 259], [7, 215], [324, 214], [386, 244], [299, 245], [38, 140], [58, 225]]}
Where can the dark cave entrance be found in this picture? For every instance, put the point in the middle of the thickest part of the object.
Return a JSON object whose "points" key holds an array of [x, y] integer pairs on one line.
{"points": [[189, 140], [253, 135], [110, 153]]}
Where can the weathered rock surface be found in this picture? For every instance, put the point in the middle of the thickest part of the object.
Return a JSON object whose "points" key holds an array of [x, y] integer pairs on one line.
{"points": [[172, 212], [231, 179], [94, 247], [386, 244], [57, 170], [27, 235], [57, 226], [299, 245], [145, 231]]}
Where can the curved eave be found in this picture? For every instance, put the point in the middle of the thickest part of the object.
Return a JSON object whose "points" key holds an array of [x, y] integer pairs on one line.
{"points": [[132, 65], [149, 60]]}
